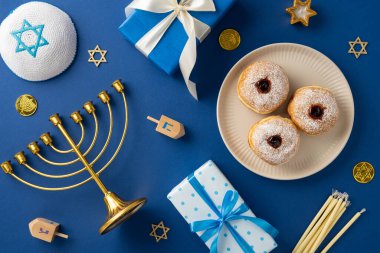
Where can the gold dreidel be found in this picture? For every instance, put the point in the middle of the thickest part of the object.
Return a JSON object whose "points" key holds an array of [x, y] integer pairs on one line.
{"points": [[168, 127], [118, 210]]}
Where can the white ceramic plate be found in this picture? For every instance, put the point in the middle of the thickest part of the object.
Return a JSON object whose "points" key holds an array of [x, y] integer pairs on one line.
{"points": [[304, 66]]}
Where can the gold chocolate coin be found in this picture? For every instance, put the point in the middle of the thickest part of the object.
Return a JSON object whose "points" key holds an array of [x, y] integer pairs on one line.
{"points": [[26, 105], [229, 39], [363, 172]]}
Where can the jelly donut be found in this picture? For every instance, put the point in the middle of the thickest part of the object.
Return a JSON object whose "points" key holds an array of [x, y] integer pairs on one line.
{"points": [[263, 87], [313, 109], [274, 139]]}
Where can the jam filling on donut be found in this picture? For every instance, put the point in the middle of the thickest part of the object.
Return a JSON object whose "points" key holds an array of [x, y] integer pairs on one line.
{"points": [[263, 86], [316, 111], [275, 141]]}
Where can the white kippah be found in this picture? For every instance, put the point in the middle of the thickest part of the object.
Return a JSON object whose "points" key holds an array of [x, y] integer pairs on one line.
{"points": [[38, 41]]}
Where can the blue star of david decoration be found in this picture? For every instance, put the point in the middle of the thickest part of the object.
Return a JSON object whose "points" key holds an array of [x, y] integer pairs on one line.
{"points": [[40, 42]]}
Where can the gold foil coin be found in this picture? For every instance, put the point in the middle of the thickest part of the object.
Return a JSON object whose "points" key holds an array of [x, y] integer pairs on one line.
{"points": [[229, 39], [363, 172], [26, 105]]}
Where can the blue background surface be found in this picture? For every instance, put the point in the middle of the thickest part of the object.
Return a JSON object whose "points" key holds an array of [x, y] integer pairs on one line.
{"points": [[150, 164]]}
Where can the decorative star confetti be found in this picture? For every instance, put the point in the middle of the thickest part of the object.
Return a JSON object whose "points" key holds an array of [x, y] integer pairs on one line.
{"points": [[164, 230], [102, 53], [352, 49], [301, 12], [32, 38]]}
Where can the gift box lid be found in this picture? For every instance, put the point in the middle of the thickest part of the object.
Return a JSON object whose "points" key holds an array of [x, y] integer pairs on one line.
{"points": [[168, 51]]}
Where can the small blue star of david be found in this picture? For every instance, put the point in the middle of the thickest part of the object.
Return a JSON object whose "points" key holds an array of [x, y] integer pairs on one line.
{"points": [[40, 42]]}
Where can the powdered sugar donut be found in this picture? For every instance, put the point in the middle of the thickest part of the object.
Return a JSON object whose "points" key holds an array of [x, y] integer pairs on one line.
{"points": [[314, 109], [38, 41], [274, 139], [263, 87]]}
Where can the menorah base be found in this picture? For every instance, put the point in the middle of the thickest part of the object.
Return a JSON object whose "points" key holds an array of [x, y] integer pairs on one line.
{"points": [[119, 211]]}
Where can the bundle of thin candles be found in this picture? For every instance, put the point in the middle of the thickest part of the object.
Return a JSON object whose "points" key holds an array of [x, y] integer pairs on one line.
{"points": [[323, 222]]}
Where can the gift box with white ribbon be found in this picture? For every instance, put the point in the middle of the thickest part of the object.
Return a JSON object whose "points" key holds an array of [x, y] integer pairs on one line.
{"points": [[168, 32]]}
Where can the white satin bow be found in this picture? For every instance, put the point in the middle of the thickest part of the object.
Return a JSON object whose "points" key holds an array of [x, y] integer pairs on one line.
{"points": [[193, 27]]}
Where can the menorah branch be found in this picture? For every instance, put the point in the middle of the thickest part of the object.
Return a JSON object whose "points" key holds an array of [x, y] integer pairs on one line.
{"points": [[123, 135], [108, 135], [21, 159], [33, 147], [70, 150], [46, 138]]}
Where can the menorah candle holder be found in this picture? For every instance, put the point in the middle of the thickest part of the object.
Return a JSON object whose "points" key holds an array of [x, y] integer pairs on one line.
{"points": [[118, 210]]}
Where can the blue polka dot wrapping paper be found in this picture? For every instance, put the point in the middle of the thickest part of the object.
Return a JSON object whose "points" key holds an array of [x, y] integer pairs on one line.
{"points": [[241, 231]]}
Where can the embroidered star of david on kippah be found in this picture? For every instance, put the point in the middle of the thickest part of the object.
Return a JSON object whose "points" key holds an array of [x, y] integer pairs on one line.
{"points": [[28, 29]]}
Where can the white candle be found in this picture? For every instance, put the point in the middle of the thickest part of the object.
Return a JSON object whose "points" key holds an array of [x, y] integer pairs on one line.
{"points": [[343, 230]]}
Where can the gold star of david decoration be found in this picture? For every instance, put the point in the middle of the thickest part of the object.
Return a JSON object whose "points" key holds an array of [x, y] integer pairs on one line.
{"points": [[363, 172], [163, 235], [102, 53], [301, 12], [352, 50]]}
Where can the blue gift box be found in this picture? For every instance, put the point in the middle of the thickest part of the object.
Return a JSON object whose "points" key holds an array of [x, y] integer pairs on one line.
{"points": [[168, 51]]}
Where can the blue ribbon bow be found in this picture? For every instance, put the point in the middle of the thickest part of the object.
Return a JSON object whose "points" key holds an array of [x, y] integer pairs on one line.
{"points": [[227, 214]]}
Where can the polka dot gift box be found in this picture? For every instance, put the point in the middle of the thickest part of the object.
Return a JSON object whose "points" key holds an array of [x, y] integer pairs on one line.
{"points": [[216, 212]]}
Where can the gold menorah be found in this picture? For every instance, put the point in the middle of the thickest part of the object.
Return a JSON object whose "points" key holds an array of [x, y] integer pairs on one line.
{"points": [[118, 210]]}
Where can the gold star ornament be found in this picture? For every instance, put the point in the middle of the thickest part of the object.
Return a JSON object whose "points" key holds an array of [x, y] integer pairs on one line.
{"points": [[163, 234], [352, 49], [301, 12], [102, 54]]}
